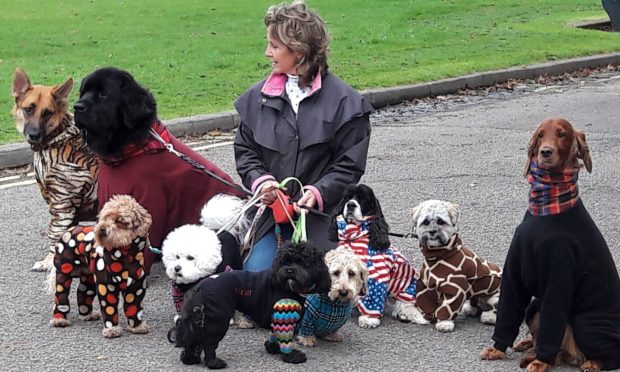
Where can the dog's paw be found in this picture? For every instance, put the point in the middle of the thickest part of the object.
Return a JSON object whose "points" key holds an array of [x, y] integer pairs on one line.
{"points": [[523, 345], [334, 337], [60, 322], [216, 363], [45, 264], [192, 357], [411, 314], [272, 347], [488, 317], [537, 366], [242, 321], [306, 341], [94, 315], [141, 329], [112, 332], [468, 309], [368, 322], [444, 326], [294, 357], [491, 353], [590, 366]]}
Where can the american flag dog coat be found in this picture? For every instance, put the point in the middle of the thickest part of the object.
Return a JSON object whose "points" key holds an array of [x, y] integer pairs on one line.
{"points": [[390, 275]]}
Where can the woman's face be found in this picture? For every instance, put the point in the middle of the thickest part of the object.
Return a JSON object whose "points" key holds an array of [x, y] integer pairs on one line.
{"points": [[283, 60]]}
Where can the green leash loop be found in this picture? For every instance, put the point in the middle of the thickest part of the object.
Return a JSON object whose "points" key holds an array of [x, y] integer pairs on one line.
{"points": [[299, 227]]}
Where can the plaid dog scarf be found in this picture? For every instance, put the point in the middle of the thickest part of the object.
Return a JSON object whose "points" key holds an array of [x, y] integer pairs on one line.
{"points": [[552, 193], [150, 146]]}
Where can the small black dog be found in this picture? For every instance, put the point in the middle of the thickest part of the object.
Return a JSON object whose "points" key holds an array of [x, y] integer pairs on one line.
{"points": [[359, 202], [272, 298]]}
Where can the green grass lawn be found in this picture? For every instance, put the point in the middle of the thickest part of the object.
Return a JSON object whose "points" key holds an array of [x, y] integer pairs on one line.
{"points": [[197, 56]]}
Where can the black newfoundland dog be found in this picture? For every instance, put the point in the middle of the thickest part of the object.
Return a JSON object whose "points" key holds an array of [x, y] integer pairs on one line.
{"points": [[118, 118], [272, 298], [113, 111]]}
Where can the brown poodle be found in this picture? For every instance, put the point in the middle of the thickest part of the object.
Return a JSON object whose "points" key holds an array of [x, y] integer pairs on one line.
{"points": [[109, 260]]}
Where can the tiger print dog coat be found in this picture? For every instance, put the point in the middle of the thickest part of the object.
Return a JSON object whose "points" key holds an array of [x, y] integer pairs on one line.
{"points": [[65, 169]]}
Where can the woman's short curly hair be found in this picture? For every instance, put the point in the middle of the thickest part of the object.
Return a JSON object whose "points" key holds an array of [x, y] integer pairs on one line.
{"points": [[302, 31]]}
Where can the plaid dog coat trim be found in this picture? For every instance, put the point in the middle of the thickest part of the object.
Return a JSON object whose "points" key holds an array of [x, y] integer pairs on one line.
{"points": [[552, 193], [322, 316]]}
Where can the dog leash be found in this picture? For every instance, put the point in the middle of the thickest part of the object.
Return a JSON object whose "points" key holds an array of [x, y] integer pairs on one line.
{"points": [[197, 165]]}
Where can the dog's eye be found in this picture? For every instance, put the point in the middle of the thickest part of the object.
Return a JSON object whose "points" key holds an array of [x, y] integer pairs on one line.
{"points": [[190, 258], [351, 274], [440, 221], [426, 222], [562, 134], [336, 273], [177, 256], [102, 94], [30, 109], [540, 134], [46, 114]]}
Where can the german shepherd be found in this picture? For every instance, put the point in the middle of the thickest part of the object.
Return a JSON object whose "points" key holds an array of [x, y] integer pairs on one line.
{"points": [[65, 169]]}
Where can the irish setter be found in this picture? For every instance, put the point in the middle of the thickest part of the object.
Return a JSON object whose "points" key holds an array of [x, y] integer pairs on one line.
{"points": [[554, 145]]}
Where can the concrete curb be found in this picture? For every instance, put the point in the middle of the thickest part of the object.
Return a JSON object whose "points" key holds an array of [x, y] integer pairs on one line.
{"points": [[15, 155]]}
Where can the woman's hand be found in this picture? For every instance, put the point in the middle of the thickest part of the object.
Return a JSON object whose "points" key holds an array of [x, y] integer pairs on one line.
{"points": [[308, 200], [270, 196]]}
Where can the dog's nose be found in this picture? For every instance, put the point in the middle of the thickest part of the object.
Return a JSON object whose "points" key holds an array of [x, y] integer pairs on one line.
{"points": [[343, 293], [432, 232], [546, 152], [177, 269], [290, 271], [33, 134], [79, 106], [350, 205]]}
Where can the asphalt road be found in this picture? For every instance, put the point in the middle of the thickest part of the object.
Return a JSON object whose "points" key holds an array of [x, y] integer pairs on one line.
{"points": [[471, 153]]}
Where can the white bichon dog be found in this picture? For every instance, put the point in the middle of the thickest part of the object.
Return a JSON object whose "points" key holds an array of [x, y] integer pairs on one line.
{"points": [[194, 252], [190, 253]]}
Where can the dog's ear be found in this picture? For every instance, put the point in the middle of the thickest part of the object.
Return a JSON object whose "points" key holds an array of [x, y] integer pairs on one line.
{"points": [[332, 229], [364, 277], [583, 151], [21, 83], [454, 211], [415, 214], [378, 233], [145, 219], [137, 103], [316, 264], [532, 148], [61, 92]]}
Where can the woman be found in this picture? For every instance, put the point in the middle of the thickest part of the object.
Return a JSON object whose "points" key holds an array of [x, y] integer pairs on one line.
{"points": [[301, 122]]}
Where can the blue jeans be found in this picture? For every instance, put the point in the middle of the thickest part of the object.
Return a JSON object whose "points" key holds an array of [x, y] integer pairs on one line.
{"points": [[264, 249]]}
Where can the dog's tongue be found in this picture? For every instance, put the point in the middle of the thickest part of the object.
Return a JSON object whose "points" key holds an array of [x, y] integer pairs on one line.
{"points": [[291, 285]]}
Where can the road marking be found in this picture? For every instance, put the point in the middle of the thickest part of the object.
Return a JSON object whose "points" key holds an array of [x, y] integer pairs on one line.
{"points": [[213, 146], [15, 184], [9, 178]]}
